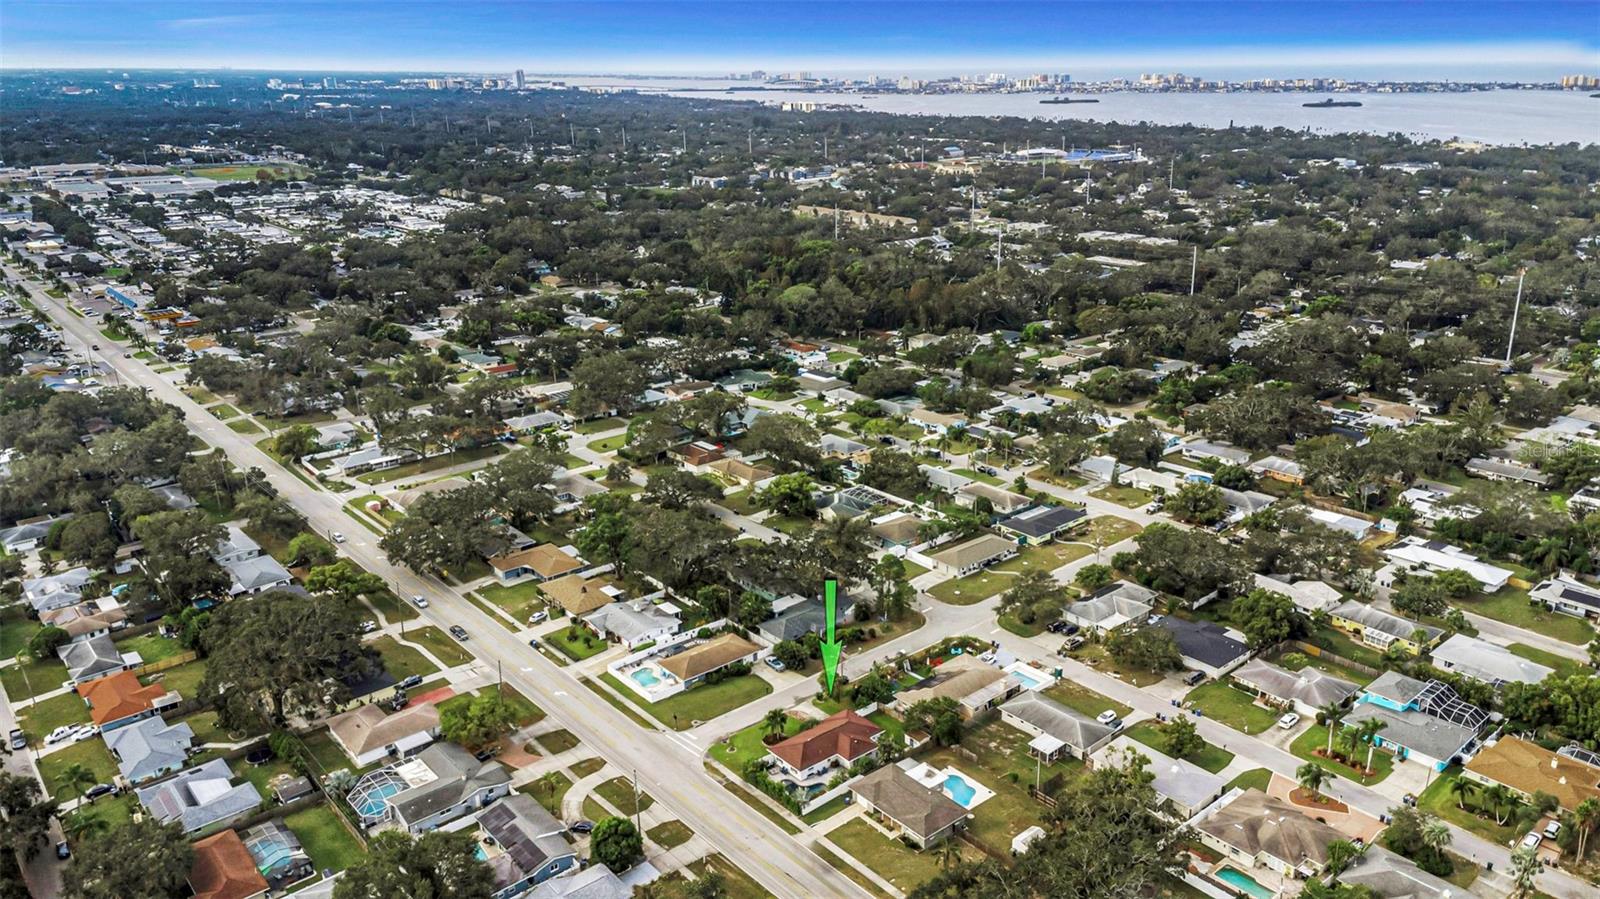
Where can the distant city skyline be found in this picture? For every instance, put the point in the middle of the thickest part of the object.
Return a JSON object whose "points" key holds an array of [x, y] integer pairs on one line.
{"points": [[1214, 40]]}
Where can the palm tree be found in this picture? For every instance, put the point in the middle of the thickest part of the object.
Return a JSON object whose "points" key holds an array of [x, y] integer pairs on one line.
{"points": [[1495, 797], [1586, 818], [1332, 716], [1368, 732], [1435, 834], [947, 854], [1312, 777], [1340, 854], [80, 826], [1461, 788], [1524, 871], [775, 721], [74, 779]]}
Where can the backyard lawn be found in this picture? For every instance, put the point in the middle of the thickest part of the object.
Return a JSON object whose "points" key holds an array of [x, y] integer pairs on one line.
{"points": [[701, 703], [91, 754], [1316, 737], [400, 660], [1212, 758], [746, 744], [981, 585], [184, 678], [1001, 754], [893, 860], [1082, 699], [443, 647], [1512, 606], [151, 647], [1232, 706], [1123, 495], [326, 840], [38, 720]]}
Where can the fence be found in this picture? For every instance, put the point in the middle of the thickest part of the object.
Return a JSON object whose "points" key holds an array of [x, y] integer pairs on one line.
{"points": [[1315, 651], [182, 658]]}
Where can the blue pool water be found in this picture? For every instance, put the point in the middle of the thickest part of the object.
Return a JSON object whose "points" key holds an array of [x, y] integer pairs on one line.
{"points": [[644, 677], [1028, 683], [480, 852], [373, 802], [1236, 878], [957, 788]]}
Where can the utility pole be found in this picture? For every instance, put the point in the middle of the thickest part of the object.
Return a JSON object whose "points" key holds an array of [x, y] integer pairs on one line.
{"points": [[1515, 309], [624, 138], [1194, 268], [636, 825], [750, 142], [835, 222], [1171, 168], [824, 146]]}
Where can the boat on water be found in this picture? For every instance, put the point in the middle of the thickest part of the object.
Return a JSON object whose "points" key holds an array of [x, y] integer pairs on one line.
{"points": [[1331, 103], [1054, 100]]}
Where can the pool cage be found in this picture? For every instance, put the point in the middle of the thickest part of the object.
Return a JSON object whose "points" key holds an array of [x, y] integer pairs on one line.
{"points": [[1442, 702], [370, 796]]}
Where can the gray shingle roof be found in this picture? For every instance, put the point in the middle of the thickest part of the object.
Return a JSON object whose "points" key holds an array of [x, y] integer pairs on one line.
{"points": [[199, 796], [148, 747]]}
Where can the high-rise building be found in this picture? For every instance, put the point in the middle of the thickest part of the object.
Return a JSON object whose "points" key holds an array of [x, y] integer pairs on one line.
{"points": [[1580, 82], [522, 80]]}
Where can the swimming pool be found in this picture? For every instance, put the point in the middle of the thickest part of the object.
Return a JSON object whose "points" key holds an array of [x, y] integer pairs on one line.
{"points": [[957, 788], [375, 798], [1027, 682], [1235, 878], [644, 677]]}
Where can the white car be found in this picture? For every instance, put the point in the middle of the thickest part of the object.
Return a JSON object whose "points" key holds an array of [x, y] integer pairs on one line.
{"points": [[59, 734], [1107, 716], [337, 537], [1532, 840], [538, 616], [84, 732], [419, 601], [1288, 721]]}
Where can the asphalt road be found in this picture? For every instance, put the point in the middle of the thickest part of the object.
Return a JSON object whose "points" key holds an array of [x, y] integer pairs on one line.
{"points": [[668, 765]]}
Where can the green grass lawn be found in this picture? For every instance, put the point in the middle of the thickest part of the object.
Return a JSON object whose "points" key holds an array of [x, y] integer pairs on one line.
{"points": [[37, 676], [619, 792], [792, 525], [608, 444], [1002, 763], [443, 646], [1316, 737], [185, 678], [744, 745], [1295, 661], [400, 660], [250, 173], [991, 480], [391, 607], [151, 647], [1338, 642], [598, 425], [701, 703], [670, 834], [1082, 699], [245, 426], [557, 741], [578, 645], [326, 840], [1254, 779], [548, 789], [1232, 706], [1212, 758], [16, 629], [91, 754], [1512, 606], [1110, 530], [892, 860], [207, 730], [618, 704], [38, 720], [1563, 666], [1123, 495], [525, 713], [1476, 817], [435, 463], [224, 412], [981, 585]]}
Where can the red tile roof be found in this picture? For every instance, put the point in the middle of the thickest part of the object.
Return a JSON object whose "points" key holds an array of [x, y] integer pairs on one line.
{"points": [[845, 734], [118, 696], [223, 869]]}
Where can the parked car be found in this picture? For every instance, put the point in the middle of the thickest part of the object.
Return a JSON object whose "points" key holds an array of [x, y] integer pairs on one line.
{"points": [[1107, 716], [59, 734], [63, 851], [1156, 619], [457, 631], [419, 601], [1193, 678], [538, 616], [1288, 721], [774, 664], [581, 826], [1072, 643], [368, 626], [533, 642], [84, 732], [411, 681], [98, 790], [337, 537], [19, 740], [1532, 840], [1552, 830]]}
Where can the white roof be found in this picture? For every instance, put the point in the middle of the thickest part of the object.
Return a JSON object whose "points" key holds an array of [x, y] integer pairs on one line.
{"points": [[1487, 662], [1436, 556]]}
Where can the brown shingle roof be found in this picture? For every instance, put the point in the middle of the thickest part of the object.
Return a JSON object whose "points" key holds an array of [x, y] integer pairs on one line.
{"points": [[957, 679], [917, 808], [547, 560], [223, 869], [577, 594], [708, 656], [1529, 768], [368, 727], [1256, 823], [845, 734]]}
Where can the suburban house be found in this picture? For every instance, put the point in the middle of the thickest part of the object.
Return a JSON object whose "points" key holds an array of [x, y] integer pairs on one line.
{"points": [[838, 741], [119, 699], [25, 535], [1424, 721], [581, 593], [974, 555], [741, 473], [1308, 596], [1433, 556], [1506, 470], [523, 845], [593, 882], [91, 618], [1349, 525], [1528, 768], [368, 734], [634, 623], [200, 797], [1182, 787], [795, 616], [1207, 646], [1278, 469], [1113, 606], [237, 546], [697, 453], [223, 869], [1208, 451], [149, 748], [1488, 662], [836, 447], [692, 665], [1388, 875], [1004, 501], [896, 529], [277, 852], [1305, 691], [1380, 630], [541, 563], [95, 657], [925, 815], [975, 686], [55, 591], [1568, 595], [431, 789], [257, 575], [1041, 524], [1257, 830], [1057, 730]]}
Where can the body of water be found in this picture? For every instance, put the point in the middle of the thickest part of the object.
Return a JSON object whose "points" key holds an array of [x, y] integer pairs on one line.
{"points": [[1510, 117]]}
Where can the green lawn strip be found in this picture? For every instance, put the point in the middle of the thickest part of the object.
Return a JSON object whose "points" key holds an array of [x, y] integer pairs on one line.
{"points": [[1232, 706], [435, 463], [16, 629], [524, 711], [826, 810], [26, 680], [1563, 666], [981, 585], [557, 741], [391, 607], [737, 883], [583, 769], [912, 569], [223, 412], [1254, 779], [1123, 495], [443, 646], [745, 745], [702, 703], [493, 613], [520, 600], [1084, 700], [598, 425], [91, 754], [1212, 758], [402, 661], [616, 703], [1316, 737], [849, 870], [151, 647], [750, 798], [1512, 606], [619, 792], [991, 480], [593, 810], [548, 790], [200, 395], [39, 719], [577, 642], [892, 860], [326, 840], [1010, 623], [670, 834], [608, 444], [1476, 817]]}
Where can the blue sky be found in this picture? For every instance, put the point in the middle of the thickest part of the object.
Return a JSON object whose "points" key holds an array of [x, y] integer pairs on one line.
{"points": [[1440, 38]]}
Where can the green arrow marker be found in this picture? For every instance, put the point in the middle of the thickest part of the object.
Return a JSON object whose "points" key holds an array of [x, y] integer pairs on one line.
{"points": [[830, 646]]}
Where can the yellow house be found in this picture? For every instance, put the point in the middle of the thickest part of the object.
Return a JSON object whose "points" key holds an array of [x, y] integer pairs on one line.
{"points": [[1380, 630]]}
